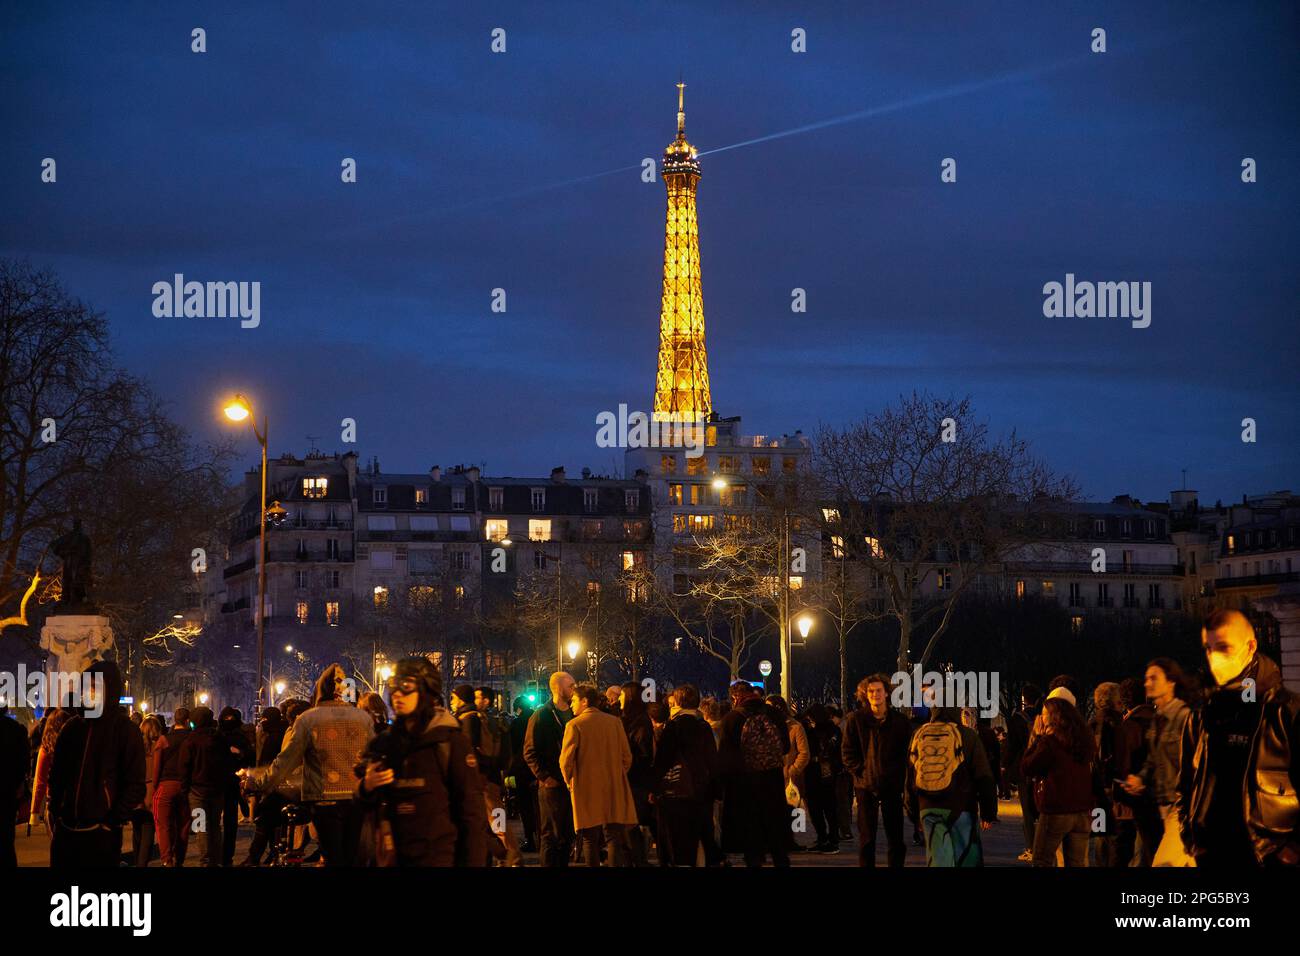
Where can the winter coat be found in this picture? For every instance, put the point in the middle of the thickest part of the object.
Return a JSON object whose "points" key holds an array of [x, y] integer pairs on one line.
{"points": [[594, 761], [875, 751], [327, 741], [1065, 782], [686, 762], [543, 740]]}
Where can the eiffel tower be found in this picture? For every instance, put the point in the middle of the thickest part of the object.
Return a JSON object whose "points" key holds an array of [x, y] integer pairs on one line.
{"points": [[682, 382]]}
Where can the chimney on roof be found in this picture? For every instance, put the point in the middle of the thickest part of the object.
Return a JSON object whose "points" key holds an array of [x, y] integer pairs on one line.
{"points": [[557, 474], [435, 473], [472, 472], [586, 472]]}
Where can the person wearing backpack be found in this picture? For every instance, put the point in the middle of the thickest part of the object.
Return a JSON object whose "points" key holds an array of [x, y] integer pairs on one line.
{"points": [[950, 792], [421, 777], [751, 761]]}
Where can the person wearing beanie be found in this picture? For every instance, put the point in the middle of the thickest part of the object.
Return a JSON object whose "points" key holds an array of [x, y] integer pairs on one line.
{"points": [[238, 754], [204, 765], [97, 776], [420, 778], [327, 741]]}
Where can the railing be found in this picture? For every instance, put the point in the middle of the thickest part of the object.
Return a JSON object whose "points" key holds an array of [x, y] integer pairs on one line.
{"points": [[231, 570], [1084, 568], [286, 555], [1257, 579]]}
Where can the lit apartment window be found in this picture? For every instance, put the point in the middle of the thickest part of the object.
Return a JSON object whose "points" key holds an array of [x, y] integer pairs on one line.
{"points": [[1076, 624], [421, 497], [381, 596], [674, 494], [668, 464], [945, 579], [696, 466], [761, 464], [796, 582], [459, 596], [590, 498], [379, 495], [873, 547], [458, 499], [679, 523], [496, 529], [629, 560], [697, 494], [788, 464], [837, 546], [634, 530], [539, 499], [1232, 544], [332, 613], [421, 596], [539, 529], [1020, 589], [728, 464], [700, 523], [831, 515], [314, 487], [1049, 589], [632, 500], [496, 498], [302, 612]]}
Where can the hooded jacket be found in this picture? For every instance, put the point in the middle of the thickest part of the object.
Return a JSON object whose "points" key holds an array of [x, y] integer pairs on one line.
{"points": [[97, 774], [435, 803], [1262, 736]]}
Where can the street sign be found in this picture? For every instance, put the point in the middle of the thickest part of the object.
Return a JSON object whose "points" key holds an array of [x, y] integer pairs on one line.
{"points": [[765, 668]]}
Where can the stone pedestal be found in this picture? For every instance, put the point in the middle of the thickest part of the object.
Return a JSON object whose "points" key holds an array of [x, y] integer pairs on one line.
{"points": [[1284, 606], [75, 641]]}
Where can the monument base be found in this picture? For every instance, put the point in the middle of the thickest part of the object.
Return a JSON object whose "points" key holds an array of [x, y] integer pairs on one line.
{"points": [[75, 641]]}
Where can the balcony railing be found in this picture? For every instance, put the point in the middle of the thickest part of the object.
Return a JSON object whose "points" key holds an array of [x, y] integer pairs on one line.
{"points": [[290, 555], [1253, 580]]}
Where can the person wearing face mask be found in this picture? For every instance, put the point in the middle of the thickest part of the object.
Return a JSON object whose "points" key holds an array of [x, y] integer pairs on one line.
{"points": [[1166, 688], [1237, 785]]}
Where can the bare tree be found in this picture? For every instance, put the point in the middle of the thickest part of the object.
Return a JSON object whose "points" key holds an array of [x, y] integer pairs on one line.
{"points": [[921, 489]]}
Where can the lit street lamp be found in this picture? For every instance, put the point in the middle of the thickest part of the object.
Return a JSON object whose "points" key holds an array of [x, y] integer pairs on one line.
{"points": [[238, 409], [574, 646]]}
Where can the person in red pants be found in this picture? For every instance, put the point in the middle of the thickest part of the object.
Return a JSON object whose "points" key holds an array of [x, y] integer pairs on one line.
{"points": [[171, 813]]}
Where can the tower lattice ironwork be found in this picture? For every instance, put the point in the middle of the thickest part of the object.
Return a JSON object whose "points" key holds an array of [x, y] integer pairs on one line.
{"points": [[682, 383]]}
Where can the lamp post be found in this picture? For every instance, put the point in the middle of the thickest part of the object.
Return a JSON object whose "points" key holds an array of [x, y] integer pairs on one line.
{"points": [[559, 591], [238, 409]]}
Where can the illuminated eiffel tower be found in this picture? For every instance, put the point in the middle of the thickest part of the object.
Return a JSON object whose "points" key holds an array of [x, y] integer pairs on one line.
{"points": [[682, 382]]}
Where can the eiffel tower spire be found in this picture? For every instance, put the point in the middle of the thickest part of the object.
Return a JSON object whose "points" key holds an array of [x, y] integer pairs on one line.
{"points": [[682, 382]]}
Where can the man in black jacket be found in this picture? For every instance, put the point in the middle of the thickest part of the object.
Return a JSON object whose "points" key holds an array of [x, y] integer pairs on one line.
{"points": [[97, 775], [15, 759], [542, 754], [1238, 776], [751, 761], [205, 765], [684, 782], [874, 749], [525, 782]]}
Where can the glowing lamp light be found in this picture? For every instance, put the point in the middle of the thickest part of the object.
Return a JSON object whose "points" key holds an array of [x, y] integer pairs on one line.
{"points": [[203, 698], [573, 647], [144, 707], [804, 624], [719, 484], [279, 687], [237, 410], [385, 672]]}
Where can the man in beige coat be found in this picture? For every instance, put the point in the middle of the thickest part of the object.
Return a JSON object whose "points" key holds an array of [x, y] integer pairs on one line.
{"points": [[594, 760]]}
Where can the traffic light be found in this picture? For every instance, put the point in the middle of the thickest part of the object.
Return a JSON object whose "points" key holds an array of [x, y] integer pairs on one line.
{"points": [[531, 693]]}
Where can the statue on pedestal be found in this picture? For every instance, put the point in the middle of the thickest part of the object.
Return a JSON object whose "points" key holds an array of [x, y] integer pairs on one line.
{"points": [[74, 551]]}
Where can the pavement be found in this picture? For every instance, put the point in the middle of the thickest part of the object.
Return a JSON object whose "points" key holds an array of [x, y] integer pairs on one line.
{"points": [[1002, 844]]}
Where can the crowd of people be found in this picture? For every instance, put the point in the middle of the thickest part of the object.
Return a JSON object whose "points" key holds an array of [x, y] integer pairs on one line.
{"points": [[1153, 774]]}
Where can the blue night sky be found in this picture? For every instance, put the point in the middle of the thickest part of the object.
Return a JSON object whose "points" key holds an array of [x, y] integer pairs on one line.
{"points": [[522, 171]]}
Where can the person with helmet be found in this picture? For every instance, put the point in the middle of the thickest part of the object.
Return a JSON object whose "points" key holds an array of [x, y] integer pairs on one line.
{"points": [[422, 776]]}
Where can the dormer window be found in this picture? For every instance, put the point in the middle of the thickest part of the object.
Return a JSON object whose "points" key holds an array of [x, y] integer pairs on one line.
{"points": [[314, 487], [379, 495], [421, 497]]}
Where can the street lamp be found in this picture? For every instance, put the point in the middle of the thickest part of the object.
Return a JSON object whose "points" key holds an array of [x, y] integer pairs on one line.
{"points": [[238, 409], [804, 624], [573, 647], [203, 698]]}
